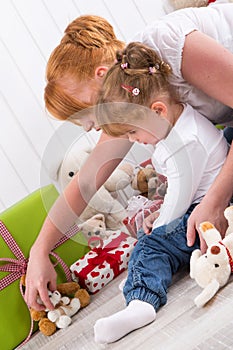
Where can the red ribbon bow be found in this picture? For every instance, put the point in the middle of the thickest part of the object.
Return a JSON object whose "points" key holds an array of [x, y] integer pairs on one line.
{"points": [[229, 255], [102, 254]]}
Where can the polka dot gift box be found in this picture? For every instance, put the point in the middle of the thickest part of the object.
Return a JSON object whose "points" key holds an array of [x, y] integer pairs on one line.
{"points": [[104, 262]]}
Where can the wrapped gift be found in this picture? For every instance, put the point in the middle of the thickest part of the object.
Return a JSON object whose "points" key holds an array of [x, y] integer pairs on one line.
{"points": [[138, 209], [19, 227], [104, 262]]}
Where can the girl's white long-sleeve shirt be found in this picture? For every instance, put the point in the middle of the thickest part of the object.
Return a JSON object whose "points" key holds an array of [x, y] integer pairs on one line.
{"points": [[191, 157]]}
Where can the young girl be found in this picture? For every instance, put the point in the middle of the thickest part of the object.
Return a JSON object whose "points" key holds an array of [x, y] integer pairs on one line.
{"points": [[138, 101], [190, 41]]}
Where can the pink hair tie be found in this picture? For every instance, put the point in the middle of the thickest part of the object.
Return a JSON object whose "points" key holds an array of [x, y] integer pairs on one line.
{"points": [[133, 90], [124, 65], [154, 69]]}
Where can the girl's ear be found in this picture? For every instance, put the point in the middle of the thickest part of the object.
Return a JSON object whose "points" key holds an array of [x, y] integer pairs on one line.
{"points": [[100, 72], [160, 108]]}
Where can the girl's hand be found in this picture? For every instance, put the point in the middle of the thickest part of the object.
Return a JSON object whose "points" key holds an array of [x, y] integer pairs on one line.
{"points": [[148, 222], [39, 277]]}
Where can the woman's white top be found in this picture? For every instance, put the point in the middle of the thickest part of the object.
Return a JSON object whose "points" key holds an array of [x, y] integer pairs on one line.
{"points": [[167, 36], [191, 157]]}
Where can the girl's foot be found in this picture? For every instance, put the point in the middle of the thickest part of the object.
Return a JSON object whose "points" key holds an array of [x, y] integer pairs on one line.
{"points": [[136, 315]]}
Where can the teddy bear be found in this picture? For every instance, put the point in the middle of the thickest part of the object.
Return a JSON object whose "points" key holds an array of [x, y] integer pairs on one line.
{"points": [[105, 200], [67, 300], [95, 226], [172, 5], [212, 270], [149, 183]]}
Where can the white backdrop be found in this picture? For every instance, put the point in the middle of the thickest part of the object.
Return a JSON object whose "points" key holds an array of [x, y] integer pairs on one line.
{"points": [[29, 31]]}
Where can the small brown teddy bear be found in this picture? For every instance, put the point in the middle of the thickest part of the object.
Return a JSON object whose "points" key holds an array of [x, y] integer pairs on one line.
{"points": [[67, 300], [149, 183]]}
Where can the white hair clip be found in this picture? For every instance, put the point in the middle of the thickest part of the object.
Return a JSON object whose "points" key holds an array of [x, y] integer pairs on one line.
{"points": [[124, 65], [134, 90]]}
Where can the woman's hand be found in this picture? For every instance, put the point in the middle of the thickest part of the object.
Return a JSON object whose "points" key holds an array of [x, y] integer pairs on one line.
{"points": [[148, 222], [205, 212], [40, 276]]}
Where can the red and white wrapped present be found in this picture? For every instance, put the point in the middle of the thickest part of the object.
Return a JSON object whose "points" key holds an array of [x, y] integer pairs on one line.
{"points": [[138, 209], [104, 262]]}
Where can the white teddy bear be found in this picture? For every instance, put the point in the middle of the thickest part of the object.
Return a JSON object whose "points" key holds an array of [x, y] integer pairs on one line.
{"points": [[172, 5], [212, 270], [95, 226], [103, 202], [65, 308], [62, 314]]}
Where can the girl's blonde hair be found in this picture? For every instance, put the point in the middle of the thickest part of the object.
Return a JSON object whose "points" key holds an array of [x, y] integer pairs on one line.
{"points": [[89, 41], [133, 83]]}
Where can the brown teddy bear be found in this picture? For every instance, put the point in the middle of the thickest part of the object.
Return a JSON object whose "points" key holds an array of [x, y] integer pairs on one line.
{"points": [[149, 183], [67, 300]]}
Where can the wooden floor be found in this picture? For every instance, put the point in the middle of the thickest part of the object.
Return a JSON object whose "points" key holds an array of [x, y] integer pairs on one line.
{"points": [[179, 325]]}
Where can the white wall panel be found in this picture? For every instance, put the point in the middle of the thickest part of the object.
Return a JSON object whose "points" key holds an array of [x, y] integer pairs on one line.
{"points": [[43, 29], [62, 12], [127, 17], [150, 10], [19, 148], [101, 8], [22, 48], [12, 186]]}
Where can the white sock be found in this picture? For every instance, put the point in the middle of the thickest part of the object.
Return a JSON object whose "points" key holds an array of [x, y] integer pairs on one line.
{"points": [[137, 314], [122, 284]]}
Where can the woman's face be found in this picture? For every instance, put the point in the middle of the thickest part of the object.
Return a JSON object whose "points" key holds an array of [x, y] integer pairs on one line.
{"points": [[88, 122], [86, 92]]}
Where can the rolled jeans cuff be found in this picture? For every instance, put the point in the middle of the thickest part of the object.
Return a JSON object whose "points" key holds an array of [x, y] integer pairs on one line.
{"points": [[143, 294]]}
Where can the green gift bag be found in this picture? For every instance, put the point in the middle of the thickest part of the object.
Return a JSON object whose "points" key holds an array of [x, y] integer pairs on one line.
{"points": [[24, 221]]}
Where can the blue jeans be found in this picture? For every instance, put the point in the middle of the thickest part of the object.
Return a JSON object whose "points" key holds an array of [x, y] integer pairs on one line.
{"points": [[155, 259], [228, 133]]}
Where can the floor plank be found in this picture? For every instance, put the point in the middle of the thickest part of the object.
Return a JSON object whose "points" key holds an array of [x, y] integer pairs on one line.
{"points": [[178, 325]]}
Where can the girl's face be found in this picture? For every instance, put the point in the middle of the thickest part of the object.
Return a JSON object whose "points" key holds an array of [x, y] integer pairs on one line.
{"points": [[141, 135], [149, 130]]}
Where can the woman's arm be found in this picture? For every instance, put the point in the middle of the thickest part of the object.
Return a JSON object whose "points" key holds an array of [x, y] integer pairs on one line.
{"points": [[213, 204], [103, 160], [208, 66]]}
